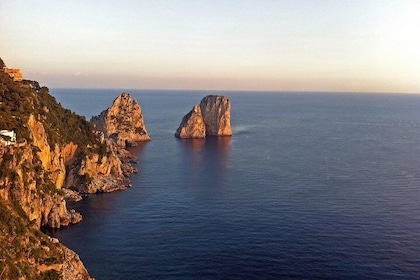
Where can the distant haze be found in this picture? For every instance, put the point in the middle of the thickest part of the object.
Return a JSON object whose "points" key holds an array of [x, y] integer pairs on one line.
{"points": [[325, 45]]}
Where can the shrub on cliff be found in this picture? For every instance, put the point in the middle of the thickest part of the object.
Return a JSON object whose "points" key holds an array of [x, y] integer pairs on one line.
{"points": [[62, 126], [23, 248]]}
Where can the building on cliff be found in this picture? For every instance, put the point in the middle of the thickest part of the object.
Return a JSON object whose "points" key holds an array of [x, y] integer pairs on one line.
{"points": [[7, 137], [14, 73]]}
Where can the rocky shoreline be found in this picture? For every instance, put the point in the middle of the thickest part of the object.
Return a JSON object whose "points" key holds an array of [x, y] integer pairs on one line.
{"points": [[57, 157], [61, 158]]}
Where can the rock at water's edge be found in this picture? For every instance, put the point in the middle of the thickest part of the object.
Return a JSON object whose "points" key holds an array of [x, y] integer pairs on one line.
{"points": [[123, 121], [210, 118], [192, 125], [216, 115]]}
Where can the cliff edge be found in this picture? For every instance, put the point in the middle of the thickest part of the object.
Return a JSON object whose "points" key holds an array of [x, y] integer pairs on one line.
{"points": [[46, 150]]}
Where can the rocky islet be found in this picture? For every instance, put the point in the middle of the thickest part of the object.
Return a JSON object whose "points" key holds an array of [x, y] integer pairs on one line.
{"points": [[123, 122], [210, 118]]}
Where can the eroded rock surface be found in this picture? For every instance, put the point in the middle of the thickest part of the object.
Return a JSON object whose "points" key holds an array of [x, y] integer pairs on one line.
{"points": [[192, 125], [210, 118], [123, 121], [216, 115]]}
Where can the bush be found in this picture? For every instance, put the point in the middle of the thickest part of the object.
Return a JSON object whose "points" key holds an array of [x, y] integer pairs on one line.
{"points": [[49, 275]]}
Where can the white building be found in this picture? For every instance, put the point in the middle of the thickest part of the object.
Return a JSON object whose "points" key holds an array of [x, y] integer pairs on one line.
{"points": [[7, 137]]}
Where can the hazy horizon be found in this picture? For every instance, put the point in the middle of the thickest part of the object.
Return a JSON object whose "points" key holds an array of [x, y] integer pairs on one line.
{"points": [[344, 46], [210, 91]]}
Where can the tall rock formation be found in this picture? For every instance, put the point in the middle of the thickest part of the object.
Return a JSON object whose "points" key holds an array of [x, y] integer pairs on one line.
{"points": [[210, 118], [216, 115], [123, 122], [192, 125]]}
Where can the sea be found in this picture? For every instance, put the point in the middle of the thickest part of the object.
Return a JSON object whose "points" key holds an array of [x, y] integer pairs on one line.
{"points": [[311, 185]]}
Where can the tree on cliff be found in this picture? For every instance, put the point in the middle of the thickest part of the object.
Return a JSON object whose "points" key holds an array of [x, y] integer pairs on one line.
{"points": [[2, 65]]}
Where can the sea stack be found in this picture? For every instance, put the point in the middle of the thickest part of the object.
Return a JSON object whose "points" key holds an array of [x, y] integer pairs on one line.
{"points": [[216, 115], [123, 121], [192, 125], [210, 118]]}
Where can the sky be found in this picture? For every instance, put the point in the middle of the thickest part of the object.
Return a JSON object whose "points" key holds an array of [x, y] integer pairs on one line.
{"points": [[296, 45]]}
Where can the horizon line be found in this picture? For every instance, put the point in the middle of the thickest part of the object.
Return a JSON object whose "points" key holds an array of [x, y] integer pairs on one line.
{"points": [[238, 90]]}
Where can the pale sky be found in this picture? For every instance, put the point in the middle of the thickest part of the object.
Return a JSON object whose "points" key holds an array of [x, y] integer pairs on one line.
{"points": [[307, 45]]}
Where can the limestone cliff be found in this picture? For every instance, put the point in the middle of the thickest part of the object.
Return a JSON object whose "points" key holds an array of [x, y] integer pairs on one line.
{"points": [[123, 121], [192, 125], [40, 140], [53, 160], [210, 118], [216, 115], [23, 182], [55, 149], [27, 253], [108, 172], [102, 170]]}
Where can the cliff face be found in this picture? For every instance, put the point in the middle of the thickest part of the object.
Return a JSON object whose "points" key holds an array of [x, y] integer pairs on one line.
{"points": [[53, 160], [101, 173], [56, 149], [83, 171], [216, 115], [211, 118], [192, 125], [23, 182], [123, 122], [27, 253]]}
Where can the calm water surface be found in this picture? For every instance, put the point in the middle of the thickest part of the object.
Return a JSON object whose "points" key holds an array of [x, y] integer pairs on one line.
{"points": [[311, 186]]}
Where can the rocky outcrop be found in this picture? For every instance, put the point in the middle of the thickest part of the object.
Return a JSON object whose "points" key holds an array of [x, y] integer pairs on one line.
{"points": [[32, 174], [211, 118], [25, 183], [123, 122], [101, 173], [72, 267], [216, 115], [53, 144], [71, 168], [40, 140], [192, 125], [26, 253], [53, 160]]}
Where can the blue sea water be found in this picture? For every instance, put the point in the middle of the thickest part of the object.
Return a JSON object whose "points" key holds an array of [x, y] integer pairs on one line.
{"points": [[310, 186]]}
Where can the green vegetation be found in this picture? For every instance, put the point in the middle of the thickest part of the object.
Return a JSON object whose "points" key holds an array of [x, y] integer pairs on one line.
{"points": [[62, 125], [21, 99], [23, 247], [49, 275], [140, 131], [20, 242]]}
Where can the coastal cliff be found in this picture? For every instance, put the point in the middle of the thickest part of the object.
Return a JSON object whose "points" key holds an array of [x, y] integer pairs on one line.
{"points": [[123, 121], [27, 253], [105, 172], [210, 118], [25, 183], [48, 154]]}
